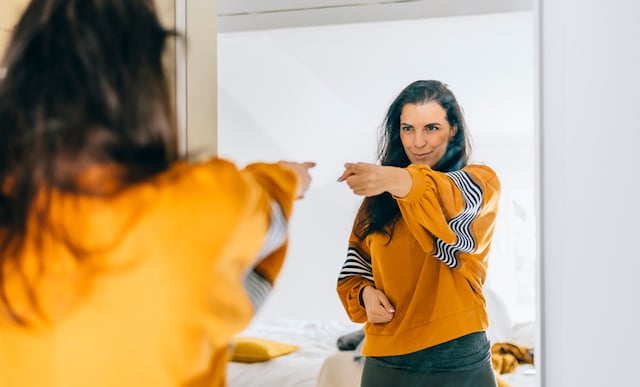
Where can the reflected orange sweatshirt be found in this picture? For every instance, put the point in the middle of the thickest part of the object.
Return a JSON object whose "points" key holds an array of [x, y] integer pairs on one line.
{"points": [[434, 267], [173, 269]]}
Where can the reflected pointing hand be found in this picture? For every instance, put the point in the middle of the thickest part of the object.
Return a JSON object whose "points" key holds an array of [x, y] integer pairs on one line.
{"points": [[363, 178], [349, 170]]}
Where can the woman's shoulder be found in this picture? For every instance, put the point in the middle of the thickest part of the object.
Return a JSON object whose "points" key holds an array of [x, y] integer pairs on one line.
{"points": [[484, 174], [203, 183], [214, 171], [481, 170]]}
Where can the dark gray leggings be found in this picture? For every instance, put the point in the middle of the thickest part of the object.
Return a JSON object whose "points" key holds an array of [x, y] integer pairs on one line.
{"points": [[375, 375], [462, 362]]}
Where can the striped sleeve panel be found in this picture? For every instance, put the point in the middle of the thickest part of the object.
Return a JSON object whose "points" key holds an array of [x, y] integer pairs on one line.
{"points": [[356, 265], [258, 288], [461, 224]]}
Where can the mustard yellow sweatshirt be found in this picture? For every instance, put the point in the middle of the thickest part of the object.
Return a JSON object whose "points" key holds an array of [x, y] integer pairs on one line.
{"points": [[171, 270], [433, 269]]}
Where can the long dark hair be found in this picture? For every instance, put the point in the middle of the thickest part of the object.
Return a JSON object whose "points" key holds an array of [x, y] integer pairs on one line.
{"points": [[379, 213], [84, 85]]}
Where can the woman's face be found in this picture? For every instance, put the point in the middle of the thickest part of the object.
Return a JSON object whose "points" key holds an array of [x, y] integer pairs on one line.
{"points": [[425, 132]]}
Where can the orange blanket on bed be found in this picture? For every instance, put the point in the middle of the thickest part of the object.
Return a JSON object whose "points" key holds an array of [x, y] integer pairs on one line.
{"points": [[505, 357]]}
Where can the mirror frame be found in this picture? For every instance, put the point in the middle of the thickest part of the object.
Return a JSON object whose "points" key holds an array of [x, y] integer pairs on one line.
{"points": [[189, 70]]}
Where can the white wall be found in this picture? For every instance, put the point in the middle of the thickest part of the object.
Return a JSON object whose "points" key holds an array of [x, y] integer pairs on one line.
{"points": [[589, 135], [319, 93]]}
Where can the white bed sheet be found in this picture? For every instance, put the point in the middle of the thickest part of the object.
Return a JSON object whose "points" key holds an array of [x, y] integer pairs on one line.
{"points": [[523, 376], [316, 338]]}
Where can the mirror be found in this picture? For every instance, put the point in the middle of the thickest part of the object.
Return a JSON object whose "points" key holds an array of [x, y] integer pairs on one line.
{"points": [[320, 93], [314, 84]]}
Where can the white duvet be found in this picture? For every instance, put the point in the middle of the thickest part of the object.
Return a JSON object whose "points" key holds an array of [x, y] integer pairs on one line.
{"points": [[316, 339]]}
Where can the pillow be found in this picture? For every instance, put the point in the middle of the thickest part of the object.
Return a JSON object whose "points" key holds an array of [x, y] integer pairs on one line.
{"points": [[252, 349], [524, 334], [350, 341]]}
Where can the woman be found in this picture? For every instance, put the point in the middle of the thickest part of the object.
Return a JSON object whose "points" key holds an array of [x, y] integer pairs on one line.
{"points": [[121, 265], [417, 257]]}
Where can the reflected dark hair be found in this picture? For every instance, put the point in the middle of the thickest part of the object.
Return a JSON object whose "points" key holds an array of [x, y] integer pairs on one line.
{"points": [[379, 213], [84, 85]]}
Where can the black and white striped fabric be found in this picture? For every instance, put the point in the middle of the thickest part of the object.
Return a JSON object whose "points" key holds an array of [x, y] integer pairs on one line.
{"points": [[356, 264], [461, 224], [257, 287]]}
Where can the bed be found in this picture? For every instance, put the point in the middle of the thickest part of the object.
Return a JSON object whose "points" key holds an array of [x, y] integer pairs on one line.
{"points": [[317, 361], [316, 340]]}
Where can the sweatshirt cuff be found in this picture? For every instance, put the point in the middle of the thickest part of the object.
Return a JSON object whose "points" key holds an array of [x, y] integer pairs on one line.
{"points": [[419, 186]]}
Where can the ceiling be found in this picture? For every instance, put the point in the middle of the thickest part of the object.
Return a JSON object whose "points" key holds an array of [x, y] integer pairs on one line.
{"points": [[239, 15]]}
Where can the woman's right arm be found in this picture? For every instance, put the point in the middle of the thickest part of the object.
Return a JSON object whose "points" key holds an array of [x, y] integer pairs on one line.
{"points": [[367, 179], [234, 225], [260, 279]]}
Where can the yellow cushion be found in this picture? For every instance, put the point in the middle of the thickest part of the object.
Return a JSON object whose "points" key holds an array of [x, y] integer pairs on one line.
{"points": [[252, 349]]}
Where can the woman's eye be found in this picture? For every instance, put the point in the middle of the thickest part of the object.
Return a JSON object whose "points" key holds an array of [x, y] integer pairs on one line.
{"points": [[405, 128], [432, 127]]}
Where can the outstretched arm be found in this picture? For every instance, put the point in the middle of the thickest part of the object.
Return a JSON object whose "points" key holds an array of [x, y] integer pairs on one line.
{"points": [[260, 279], [370, 179]]}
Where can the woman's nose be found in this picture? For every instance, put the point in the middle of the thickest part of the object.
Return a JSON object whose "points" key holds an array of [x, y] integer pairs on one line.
{"points": [[419, 140]]}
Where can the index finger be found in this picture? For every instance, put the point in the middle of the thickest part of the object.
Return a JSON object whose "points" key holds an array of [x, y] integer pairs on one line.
{"points": [[348, 171], [308, 164], [344, 175]]}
